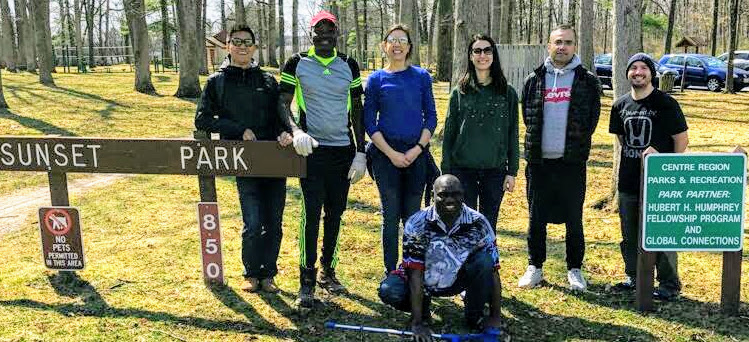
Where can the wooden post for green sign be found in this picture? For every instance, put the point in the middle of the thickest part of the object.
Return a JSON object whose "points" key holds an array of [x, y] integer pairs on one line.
{"points": [[730, 292]]}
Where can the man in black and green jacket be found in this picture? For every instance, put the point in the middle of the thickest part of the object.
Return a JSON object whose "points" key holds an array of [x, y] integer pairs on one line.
{"points": [[561, 105]]}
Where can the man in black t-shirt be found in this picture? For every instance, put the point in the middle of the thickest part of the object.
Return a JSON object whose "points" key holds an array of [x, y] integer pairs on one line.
{"points": [[646, 121]]}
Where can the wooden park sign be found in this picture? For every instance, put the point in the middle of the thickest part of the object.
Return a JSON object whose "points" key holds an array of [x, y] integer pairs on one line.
{"points": [[201, 156], [693, 202], [149, 156]]}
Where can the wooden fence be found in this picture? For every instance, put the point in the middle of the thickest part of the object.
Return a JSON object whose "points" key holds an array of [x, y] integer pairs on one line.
{"points": [[520, 60]]}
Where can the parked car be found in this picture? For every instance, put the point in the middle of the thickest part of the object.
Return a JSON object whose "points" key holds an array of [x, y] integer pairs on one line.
{"points": [[740, 59], [603, 70], [704, 70]]}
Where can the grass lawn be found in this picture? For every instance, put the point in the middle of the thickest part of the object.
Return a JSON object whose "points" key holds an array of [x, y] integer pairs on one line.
{"points": [[143, 280]]}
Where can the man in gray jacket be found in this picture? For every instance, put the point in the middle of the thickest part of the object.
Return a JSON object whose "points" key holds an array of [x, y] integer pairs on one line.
{"points": [[561, 105]]}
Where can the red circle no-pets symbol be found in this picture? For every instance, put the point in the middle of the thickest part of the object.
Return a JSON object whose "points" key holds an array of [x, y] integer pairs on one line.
{"points": [[58, 221]]}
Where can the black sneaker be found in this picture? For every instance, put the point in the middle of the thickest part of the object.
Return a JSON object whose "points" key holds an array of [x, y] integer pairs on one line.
{"points": [[665, 294], [627, 285], [329, 281], [306, 299]]}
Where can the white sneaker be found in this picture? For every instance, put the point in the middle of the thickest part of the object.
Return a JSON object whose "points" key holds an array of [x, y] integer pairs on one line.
{"points": [[576, 279], [532, 277]]}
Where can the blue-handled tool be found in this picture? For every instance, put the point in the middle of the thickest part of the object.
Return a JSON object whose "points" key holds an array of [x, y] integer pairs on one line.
{"points": [[491, 335]]}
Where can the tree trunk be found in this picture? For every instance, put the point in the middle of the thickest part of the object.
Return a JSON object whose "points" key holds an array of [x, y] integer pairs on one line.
{"points": [[3, 104], [10, 56], [409, 15], [135, 10], [166, 36], [77, 8], [239, 16], [189, 85], [505, 35], [223, 15], [572, 12], [272, 34], [358, 31], [470, 18], [495, 28], [200, 39], [101, 29], [423, 24], [90, 31], [587, 27], [106, 28], [732, 45], [365, 26], [281, 33], [431, 40], [43, 40], [670, 29], [627, 27], [445, 40], [295, 26], [25, 35], [261, 34], [530, 20], [714, 32]]}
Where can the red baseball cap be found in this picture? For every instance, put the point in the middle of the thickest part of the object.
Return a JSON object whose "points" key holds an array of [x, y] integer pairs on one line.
{"points": [[323, 15]]}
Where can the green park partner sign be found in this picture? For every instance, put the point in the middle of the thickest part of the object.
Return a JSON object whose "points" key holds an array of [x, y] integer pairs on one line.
{"points": [[693, 202]]}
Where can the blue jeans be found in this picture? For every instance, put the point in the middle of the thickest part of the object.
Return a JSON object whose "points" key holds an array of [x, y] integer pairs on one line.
{"points": [[262, 201], [484, 187], [400, 195], [665, 262], [476, 278]]}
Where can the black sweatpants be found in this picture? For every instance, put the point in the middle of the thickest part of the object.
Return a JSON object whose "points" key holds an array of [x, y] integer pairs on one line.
{"points": [[556, 193], [325, 188]]}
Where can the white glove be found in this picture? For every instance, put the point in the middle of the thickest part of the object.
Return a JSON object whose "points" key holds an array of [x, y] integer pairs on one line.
{"points": [[303, 143], [358, 167]]}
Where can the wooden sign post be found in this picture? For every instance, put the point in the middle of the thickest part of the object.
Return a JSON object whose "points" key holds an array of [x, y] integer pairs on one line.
{"points": [[693, 202], [201, 156]]}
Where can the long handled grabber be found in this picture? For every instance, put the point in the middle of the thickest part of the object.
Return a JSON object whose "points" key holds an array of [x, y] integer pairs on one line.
{"points": [[491, 335]]}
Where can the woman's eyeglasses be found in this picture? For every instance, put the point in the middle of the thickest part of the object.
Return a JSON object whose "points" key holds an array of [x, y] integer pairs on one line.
{"points": [[400, 40], [487, 51]]}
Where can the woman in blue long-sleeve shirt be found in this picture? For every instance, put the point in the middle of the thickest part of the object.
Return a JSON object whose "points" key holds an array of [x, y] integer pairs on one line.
{"points": [[400, 118]]}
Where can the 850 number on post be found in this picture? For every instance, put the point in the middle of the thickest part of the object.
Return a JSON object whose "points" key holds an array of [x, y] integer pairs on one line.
{"points": [[210, 243]]}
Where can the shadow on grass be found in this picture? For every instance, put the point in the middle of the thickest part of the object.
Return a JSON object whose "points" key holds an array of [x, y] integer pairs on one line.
{"points": [[531, 324], [105, 113], [71, 285], [685, 311], [37, 124], [236, 303]]}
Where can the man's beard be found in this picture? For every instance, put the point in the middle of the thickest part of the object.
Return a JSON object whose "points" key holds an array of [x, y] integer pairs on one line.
{"points": [[639, 86]]}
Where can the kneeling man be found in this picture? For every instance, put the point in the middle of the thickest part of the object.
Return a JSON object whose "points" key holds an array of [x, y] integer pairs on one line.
{"points": [[448, 248]]}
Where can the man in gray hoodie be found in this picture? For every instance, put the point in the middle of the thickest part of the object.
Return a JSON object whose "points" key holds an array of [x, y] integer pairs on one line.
{"points": [[561, 105]]}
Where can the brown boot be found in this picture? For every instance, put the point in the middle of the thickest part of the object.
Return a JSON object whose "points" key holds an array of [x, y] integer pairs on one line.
{"points": [[269, 285], [250, 285]]}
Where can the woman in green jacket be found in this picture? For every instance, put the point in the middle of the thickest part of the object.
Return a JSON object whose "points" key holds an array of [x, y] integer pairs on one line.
{"points": [[480, 144]]}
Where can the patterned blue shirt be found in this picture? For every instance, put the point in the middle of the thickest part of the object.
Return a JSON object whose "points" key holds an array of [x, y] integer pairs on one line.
{"points": [[440, 251]]}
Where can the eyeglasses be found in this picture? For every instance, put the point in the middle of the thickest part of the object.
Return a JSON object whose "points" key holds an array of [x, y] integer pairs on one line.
{"points": [[249, 42], [400, 40], [487, 51]]}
